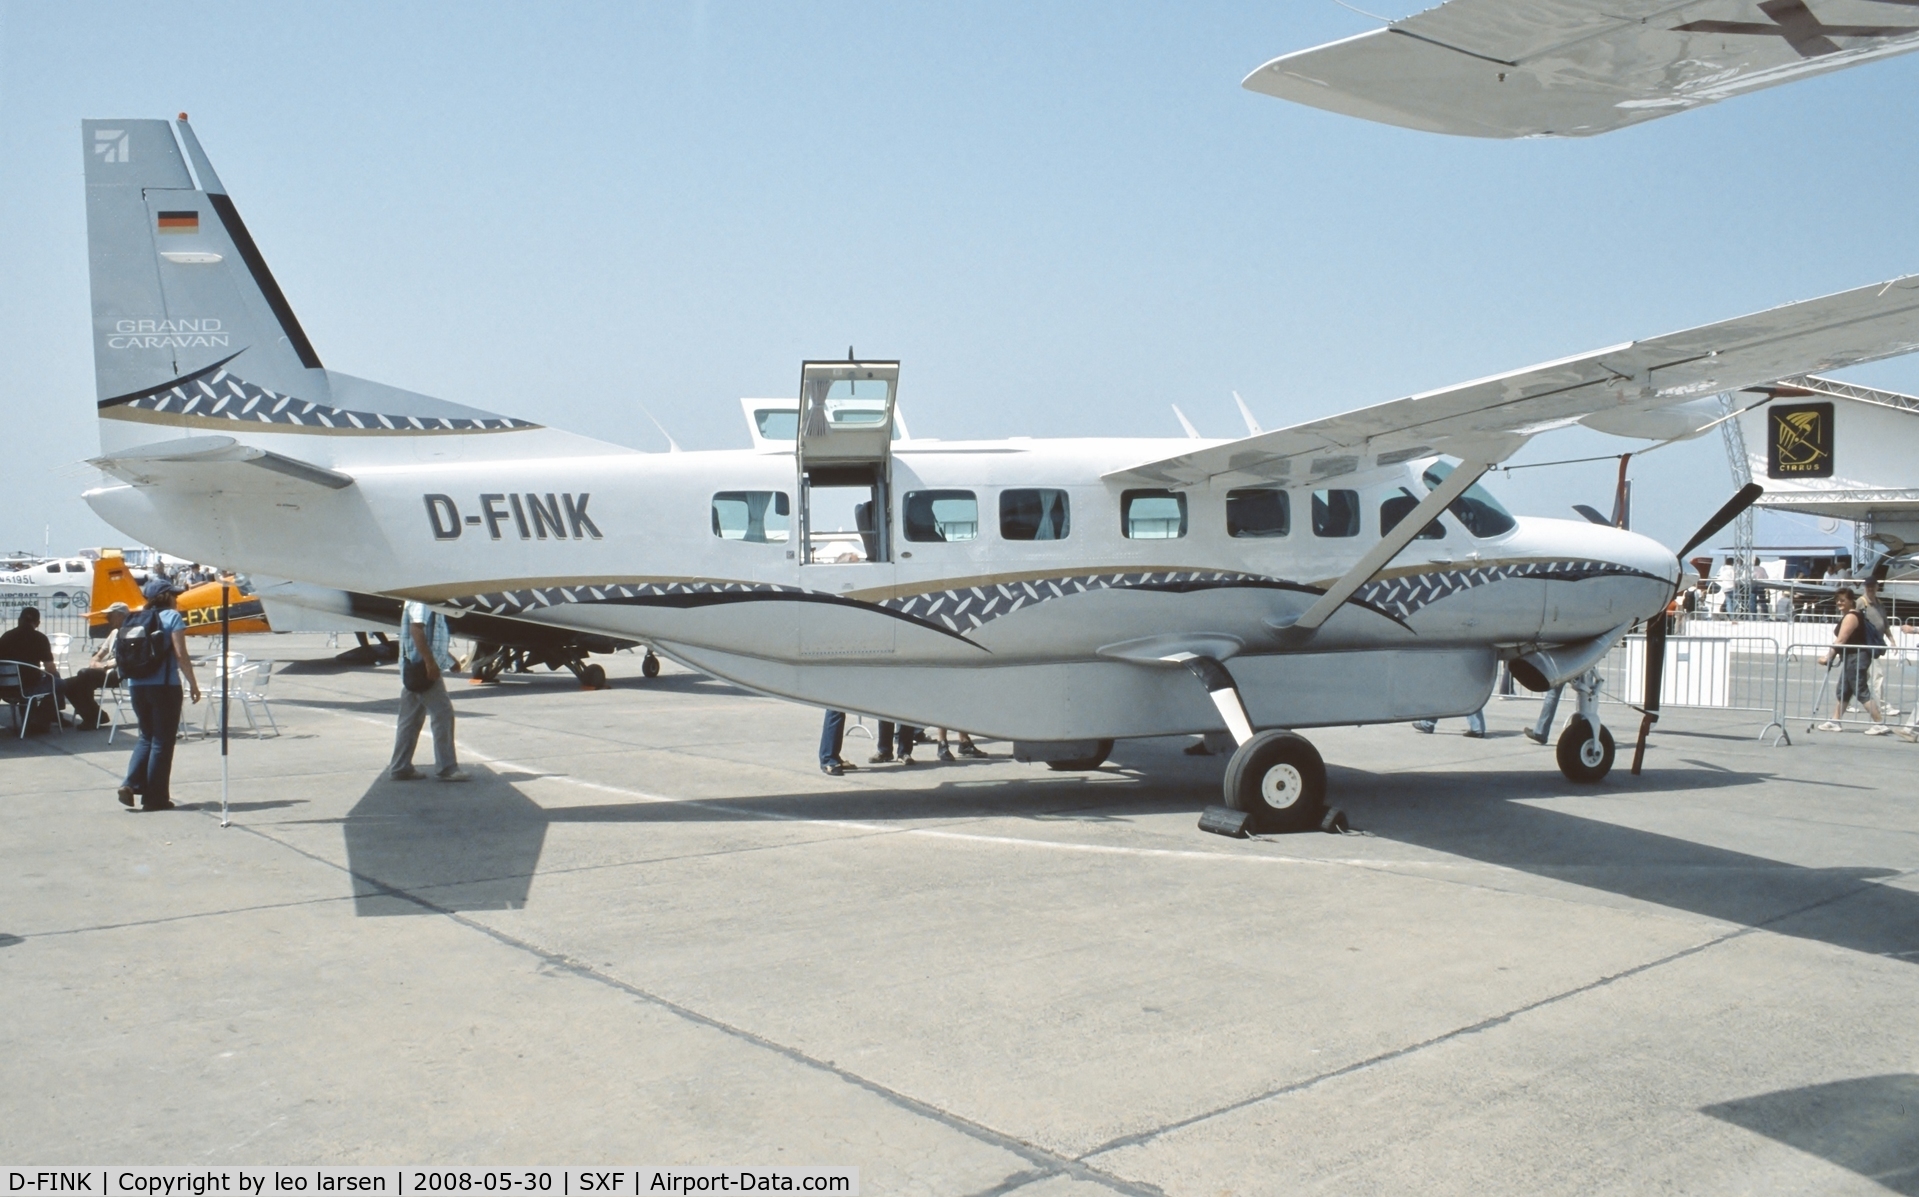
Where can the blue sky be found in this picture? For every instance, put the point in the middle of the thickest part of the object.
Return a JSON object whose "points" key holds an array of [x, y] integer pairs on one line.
{"points": [[1061, 218]]}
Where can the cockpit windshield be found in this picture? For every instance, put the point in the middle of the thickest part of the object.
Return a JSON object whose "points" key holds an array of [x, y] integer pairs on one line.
{"points": [[1476, 509]]}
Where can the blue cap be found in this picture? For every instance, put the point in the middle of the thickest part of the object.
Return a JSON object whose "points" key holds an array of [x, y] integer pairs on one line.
{"points": [[156, 588]]}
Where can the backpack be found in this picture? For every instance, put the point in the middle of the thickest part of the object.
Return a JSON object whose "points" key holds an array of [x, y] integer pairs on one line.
{"points": [[143, 646], [1873, 638]]}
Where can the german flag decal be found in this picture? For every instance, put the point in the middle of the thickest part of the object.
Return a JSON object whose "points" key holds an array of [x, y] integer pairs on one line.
{"points": [[179, 222]]}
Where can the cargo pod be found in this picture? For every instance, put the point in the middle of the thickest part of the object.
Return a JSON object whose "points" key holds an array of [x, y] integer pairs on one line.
{"points": [[845, 453]]}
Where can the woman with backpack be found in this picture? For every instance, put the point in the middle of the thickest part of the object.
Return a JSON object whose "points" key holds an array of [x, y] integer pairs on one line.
{"points": [[151, 654], [1852, 651]]}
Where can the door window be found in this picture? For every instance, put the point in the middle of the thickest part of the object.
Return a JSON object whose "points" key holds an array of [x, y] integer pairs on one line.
{"points": [[1397, 508], [1152, 514]]}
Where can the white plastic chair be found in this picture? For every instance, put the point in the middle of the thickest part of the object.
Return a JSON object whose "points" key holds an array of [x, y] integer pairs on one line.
{"points": [[208, 672], [61, 643], [15, 676], [122, 710], [253, 692]]}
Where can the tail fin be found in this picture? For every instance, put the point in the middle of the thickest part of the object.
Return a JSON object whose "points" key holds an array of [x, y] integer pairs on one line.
{"points": [[191, 332], [112, 583], [178, 284]]}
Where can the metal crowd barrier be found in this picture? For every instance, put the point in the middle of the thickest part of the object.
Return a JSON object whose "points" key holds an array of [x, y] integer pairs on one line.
{"points": [[58, 613], [1809, 692], [1725, 673]]}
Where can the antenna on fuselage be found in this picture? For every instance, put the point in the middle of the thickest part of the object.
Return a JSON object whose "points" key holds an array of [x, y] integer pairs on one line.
{"points": [[1186, 423], [849, 354], [1246, 414], [673, 446]]}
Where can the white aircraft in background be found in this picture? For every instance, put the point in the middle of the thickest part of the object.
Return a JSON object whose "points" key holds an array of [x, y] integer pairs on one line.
{"points": [[1573, 68], [52, 586], [1059, 593]]}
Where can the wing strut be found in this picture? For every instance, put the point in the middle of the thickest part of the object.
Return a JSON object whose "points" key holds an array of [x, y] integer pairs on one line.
{"points": [[1388, 547]]}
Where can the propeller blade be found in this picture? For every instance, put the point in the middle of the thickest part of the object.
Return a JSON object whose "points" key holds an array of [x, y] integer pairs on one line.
{"points": [[1655, 676], [1591, 515], [1748, 494]]}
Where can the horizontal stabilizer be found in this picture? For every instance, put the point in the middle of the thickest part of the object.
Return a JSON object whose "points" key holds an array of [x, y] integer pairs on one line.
{"points": [[217, 460], [1487, 420], [1573, 68]]}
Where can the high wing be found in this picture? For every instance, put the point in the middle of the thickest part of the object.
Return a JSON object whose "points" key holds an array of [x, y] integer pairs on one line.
{"points": [[1630, 390], [1573, 68]]}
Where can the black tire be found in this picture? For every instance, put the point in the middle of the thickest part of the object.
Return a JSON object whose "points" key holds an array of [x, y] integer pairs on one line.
{"points": [[593, 677], [651, 666], [1576, 760], [1081, 764], [1279, 780]]}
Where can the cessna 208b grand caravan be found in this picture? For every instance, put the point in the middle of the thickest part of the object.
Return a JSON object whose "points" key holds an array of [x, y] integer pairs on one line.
{"points": [[1060, 593]]}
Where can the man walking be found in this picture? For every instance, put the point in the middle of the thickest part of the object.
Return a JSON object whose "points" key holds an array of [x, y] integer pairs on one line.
{"points": [[424, 661], [151, 651]]}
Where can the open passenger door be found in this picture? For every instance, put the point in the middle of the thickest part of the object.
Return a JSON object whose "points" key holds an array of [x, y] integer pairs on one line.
{"points": [[845, 454]]}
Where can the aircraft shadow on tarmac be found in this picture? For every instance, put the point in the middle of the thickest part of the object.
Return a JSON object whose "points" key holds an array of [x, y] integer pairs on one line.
{"points": [[423, 847], [477, 846], [1462, 816], [1864, 1124]]}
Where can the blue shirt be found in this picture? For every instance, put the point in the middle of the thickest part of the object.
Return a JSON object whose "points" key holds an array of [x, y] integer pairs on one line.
{"points": [[171, 621], [437, 635]]}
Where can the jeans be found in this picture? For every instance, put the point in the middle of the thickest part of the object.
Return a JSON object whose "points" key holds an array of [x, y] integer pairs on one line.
{"points": [[832, 735], [1548, 711], [150, 772], [1475, 723], [414, 711], [891, 734]]}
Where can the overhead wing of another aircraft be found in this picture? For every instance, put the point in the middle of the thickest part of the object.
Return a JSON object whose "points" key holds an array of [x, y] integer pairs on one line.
{"points": [[1573, 68], [1633, 389]]}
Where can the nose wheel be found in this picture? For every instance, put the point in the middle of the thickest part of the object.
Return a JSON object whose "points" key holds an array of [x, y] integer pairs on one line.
{"points": [[1584, 757]]}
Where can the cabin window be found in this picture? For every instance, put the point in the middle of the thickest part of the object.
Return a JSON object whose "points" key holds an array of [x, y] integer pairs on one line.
{"points": [[759, 516], [1258, 513], [1397, 508], [941, 515], [1034, 514], [1335, 513], [1152, 514], [1476, 508]]}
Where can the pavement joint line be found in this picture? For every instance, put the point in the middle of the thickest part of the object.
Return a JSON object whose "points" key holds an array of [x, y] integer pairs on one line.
{"points": [[182, 918], [1014, 1183], [1051, 1162], [1140, 1138]]}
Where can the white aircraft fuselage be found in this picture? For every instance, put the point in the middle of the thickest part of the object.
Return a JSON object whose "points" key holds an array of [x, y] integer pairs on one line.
{"points": [[1028, 639]]}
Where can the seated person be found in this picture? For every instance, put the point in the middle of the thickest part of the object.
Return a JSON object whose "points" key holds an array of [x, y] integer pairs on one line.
{"points": [[28, 645], [82, 688]]}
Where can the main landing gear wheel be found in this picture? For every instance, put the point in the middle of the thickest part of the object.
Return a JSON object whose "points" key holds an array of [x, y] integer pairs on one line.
{"points": [[593, 677], [1081, 764], [1579, 758], [1279, 780], [651, 666]]}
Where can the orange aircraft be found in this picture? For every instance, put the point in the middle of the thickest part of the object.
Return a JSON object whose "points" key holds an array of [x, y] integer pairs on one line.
{"points": [[113, 582]]}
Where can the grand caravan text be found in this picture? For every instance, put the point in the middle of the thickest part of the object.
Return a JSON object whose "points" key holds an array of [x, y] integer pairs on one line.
{"points": [[533, 516]]}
